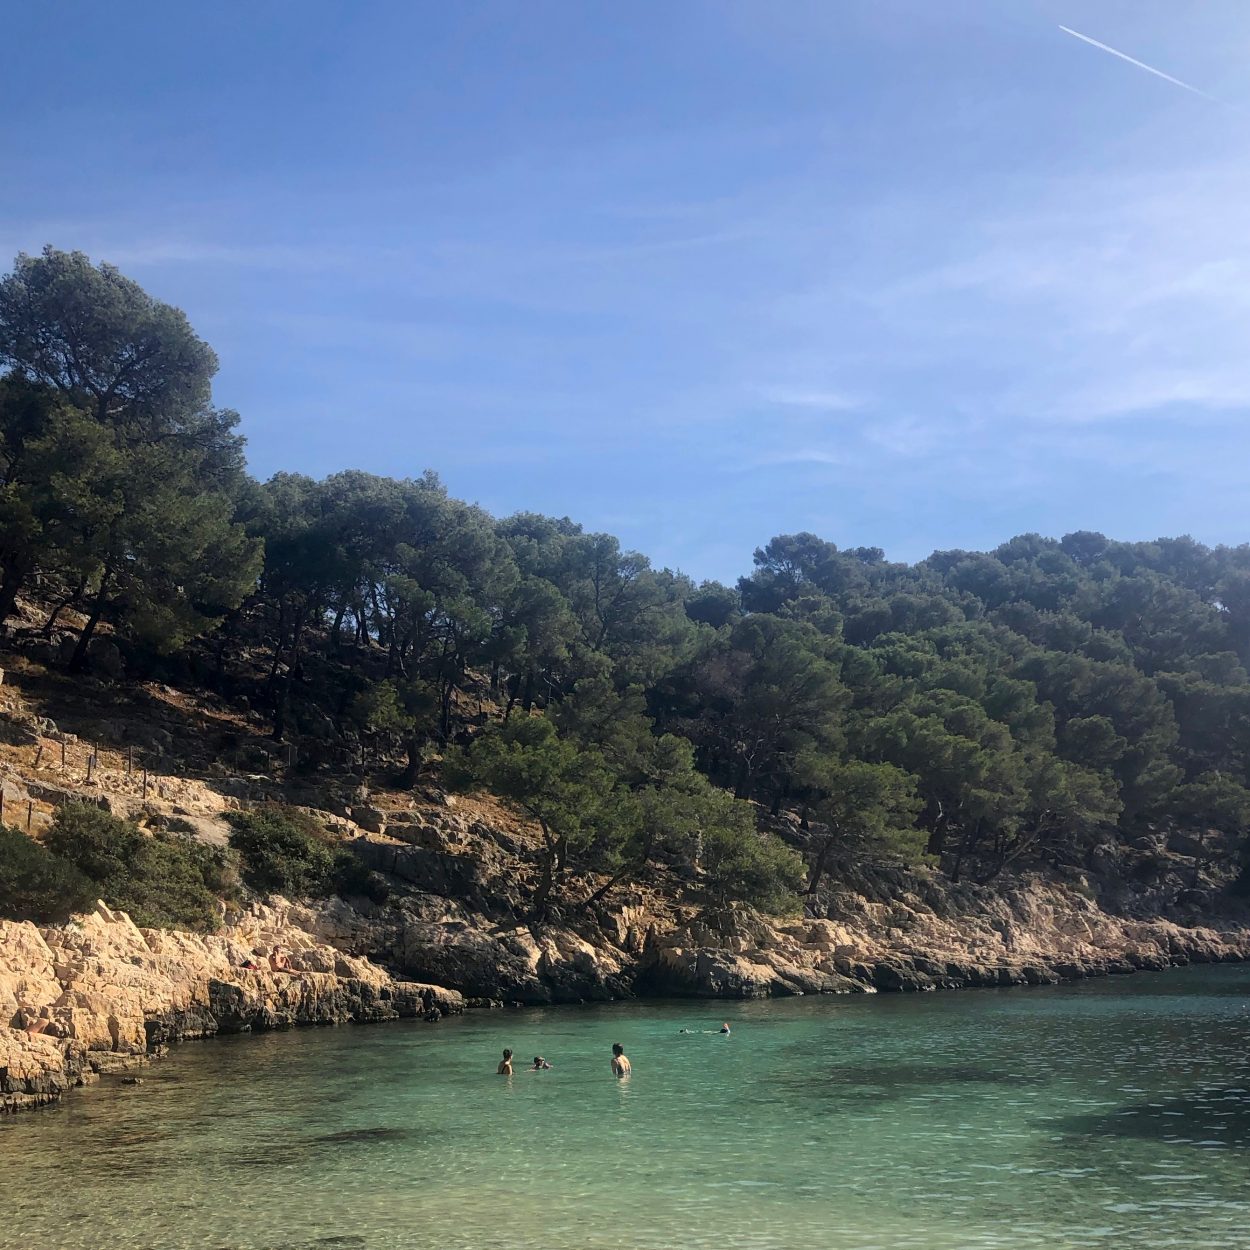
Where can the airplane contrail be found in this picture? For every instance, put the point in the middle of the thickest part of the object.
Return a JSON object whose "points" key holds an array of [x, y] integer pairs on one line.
{"points": [[1150, 69]]}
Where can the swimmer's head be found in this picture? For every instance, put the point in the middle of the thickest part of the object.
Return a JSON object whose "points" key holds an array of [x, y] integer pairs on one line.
{"points": [[618, 1049]]}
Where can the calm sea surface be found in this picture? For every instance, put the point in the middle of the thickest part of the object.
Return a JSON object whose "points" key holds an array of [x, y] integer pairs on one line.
{"points": [[1107, 1114]]}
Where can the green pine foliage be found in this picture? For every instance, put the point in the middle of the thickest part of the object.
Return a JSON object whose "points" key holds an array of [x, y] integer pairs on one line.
{"points": [[161, 881], [984, 712], [283, 851], [37, 885]]}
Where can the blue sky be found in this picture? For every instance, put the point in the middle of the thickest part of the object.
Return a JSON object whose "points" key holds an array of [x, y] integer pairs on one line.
{"points": [[908, 273]]}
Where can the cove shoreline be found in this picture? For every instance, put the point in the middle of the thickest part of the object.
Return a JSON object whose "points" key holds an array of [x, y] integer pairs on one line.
{"points": [[268, 1003]]}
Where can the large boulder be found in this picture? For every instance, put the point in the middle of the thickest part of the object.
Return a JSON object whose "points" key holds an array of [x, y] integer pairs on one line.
{"points": [[371, 819]]}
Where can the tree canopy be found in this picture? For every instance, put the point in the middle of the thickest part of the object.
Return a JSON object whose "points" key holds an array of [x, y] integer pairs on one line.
{"points": [[989, 710]]}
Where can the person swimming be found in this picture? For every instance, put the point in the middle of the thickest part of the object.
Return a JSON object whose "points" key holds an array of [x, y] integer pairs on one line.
{"points": [[505, 1064], [724, 1028], [540, 1064], [620, 1065]]}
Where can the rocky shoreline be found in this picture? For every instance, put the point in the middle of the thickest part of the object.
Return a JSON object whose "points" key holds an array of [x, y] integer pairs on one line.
{"points": [[1035, 933], [100, 995]]}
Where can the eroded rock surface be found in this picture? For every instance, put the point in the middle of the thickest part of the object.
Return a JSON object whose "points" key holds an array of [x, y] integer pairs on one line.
{"points": [[912, 931], [100, 992]]}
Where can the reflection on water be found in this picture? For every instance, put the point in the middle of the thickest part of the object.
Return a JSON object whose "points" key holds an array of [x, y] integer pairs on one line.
{"points": [[1112, 1113]]}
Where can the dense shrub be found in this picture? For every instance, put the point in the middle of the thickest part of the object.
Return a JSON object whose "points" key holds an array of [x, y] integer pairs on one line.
{"points": [[37, 885], [758, 868], [284, 852], [163, 881]]}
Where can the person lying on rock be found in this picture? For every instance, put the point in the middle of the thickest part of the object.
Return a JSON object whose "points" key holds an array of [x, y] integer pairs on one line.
{"points": [[540, 1064], [250, 964], [505, 1064], [36, 1024]]}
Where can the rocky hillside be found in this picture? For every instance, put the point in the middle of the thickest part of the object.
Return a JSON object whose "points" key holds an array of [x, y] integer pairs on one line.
{"points": [[444, 924]]}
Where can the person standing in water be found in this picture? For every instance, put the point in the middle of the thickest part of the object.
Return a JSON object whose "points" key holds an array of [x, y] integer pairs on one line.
{"points": [[505, 1064], [620, 1065]]}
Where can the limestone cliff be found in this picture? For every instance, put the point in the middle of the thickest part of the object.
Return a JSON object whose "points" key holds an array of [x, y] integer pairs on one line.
{"points": [[909, 931], [100, 993]]}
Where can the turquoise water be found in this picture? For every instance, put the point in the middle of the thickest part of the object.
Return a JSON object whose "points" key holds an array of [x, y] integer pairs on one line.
{"points": [[1106, 1114]]}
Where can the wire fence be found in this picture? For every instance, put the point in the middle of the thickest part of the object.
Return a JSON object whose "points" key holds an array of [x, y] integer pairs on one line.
{"points": [[145, 773]]}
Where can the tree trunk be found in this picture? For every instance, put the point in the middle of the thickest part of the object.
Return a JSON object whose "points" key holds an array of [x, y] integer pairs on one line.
{"points": [[547, 880], [742, 787], [965, 842], [224, 635], [50, 624], [78, 661], [408, 779], [444, 715], [378, 621], [613, 881], [818, 868], [279, 708], [514, 688]]}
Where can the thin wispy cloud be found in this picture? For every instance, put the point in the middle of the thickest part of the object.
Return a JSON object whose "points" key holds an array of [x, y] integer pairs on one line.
{"points": [[1132, 60], [779, 459], [815, 400]]}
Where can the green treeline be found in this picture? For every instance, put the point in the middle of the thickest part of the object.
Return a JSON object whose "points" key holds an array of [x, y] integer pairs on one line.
{"points": [[1026, 706]]}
